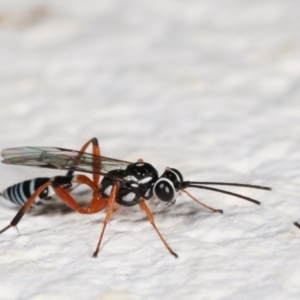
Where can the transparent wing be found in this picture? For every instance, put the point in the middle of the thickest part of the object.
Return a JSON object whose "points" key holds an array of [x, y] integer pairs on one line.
{"points": [[63, 159]]}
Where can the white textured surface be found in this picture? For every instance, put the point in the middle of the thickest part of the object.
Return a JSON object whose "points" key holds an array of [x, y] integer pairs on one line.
{"points": [[208, 87]]}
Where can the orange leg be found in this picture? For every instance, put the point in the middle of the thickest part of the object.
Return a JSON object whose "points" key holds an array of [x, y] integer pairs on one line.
{"points": [[145, 208], [110, 210], [96, 152], [201, 203], [96, 204]]}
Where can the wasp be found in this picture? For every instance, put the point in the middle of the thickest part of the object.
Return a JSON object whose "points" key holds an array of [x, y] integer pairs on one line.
{"points": [[122, 182]]}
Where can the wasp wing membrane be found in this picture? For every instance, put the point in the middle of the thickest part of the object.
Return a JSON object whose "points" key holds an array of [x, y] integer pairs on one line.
{"points": [[63, 159]]}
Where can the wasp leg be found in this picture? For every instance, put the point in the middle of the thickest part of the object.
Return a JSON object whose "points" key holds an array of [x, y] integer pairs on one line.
{"points": [[201, 203], [145, 208], [96, 152], [96, 204], [110, 210]]}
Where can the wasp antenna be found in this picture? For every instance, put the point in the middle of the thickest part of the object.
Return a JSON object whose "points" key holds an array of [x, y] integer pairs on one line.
{"points": [[232, 184], [187, 184]]}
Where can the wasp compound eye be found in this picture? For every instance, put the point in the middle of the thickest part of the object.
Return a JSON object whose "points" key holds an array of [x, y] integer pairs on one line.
{"points": [[164, 190]]}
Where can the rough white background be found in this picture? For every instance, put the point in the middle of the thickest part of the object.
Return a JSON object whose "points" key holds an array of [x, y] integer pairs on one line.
{"points": [[208, 87]]}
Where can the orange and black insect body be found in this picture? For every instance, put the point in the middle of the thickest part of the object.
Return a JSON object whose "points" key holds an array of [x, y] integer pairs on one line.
{"points": [[123, 182]]}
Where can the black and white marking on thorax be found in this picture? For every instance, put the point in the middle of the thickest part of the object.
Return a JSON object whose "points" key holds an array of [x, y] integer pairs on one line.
{"points": [[139, 179]]}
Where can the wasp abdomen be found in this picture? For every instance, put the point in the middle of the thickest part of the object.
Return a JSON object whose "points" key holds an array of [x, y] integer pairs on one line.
{"points": [[20, 192]]}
